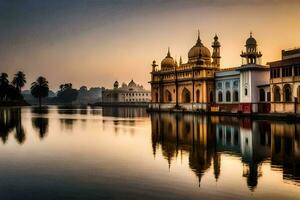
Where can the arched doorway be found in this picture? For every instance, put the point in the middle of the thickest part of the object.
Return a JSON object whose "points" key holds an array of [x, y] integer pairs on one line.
{"points": [[197, 96], [186, 96], [262, 95], [168, 96], [220, 96], [228, 96], [236, 96], [287, 93], [276, 91]]}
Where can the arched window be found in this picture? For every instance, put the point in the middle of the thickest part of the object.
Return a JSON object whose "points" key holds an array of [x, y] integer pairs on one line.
{"points": [[186, 96], [287, 93], [262, 95], [168, 96], [220, 96], [197, 96], [276, 91], [236, 96], [228, 96]]}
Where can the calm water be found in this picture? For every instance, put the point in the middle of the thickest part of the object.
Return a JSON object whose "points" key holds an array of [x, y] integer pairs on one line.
{"points": [[84, 153]]}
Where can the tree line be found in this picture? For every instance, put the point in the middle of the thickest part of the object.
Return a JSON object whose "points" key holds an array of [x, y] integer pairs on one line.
{"points": [[10, 91]]}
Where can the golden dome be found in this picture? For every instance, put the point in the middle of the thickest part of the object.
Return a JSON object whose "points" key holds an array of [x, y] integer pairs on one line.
{"points": [[199, 53], [168, 62]]}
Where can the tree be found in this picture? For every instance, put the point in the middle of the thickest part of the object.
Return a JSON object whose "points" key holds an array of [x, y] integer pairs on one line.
{"points": [[3, 85], [40, 89], [12, 93], [19, 80], [67, 94]]}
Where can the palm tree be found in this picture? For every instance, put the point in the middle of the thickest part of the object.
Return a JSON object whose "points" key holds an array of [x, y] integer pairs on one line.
{"points": [[3, 85], [40, 89], [19, 80]]}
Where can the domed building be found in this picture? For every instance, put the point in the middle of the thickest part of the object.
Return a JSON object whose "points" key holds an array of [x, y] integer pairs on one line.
{"points": [[126, 94], [200, 84], [179, 85]]}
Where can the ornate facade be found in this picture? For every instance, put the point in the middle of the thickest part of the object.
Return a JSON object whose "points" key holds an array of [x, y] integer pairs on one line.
{"points": [[131, 93], [186, 85], [200, 84]]}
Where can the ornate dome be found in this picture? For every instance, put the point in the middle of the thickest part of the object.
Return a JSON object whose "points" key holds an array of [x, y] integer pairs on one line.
{"points": [[199, 53], [251, 41], [168, 62]]}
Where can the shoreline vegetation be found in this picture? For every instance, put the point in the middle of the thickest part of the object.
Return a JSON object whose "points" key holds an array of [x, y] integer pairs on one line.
{"points": [[11, 93]]}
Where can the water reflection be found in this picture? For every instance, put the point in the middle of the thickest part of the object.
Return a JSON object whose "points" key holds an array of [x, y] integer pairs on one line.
{"points": [[11, 121], [221, 155], [205, 139], [124, 112], [40, 121]]}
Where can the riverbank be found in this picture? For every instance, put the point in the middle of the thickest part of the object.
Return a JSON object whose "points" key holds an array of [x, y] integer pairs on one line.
{"points": [[14, 103]]}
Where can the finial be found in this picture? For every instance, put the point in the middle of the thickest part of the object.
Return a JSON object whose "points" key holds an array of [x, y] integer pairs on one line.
{"points": [[169, 54], [250, 33], [216, 37], [180, 61], [198, 39]]}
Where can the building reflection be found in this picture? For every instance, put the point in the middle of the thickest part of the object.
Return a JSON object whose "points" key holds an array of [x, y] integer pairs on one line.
{"points": [[205, 139], [124, 112], [285, 147], [123, 119]]}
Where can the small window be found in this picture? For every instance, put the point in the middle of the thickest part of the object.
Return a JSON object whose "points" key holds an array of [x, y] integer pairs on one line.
{"points": [[246, 92], [219, 85], [235, 84], [227, 84]]}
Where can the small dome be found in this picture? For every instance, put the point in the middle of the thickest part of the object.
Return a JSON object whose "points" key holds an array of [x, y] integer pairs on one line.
{"points": [[216, 42], [251, 40], [131, 84], [168, 62], [199, 51], [116, 84]]}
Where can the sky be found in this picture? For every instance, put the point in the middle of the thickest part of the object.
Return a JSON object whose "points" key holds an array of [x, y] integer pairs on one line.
{"points": [[95, 42]]}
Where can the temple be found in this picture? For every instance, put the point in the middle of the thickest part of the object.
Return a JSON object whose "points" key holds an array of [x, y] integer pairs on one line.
{"points": [[202, 85]]}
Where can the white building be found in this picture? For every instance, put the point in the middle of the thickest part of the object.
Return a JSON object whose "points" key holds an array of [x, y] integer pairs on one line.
{"points": [[126, 93], [253, 75], [245, 88]]}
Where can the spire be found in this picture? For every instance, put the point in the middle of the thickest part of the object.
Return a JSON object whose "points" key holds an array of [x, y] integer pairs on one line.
{"points": [[198, 39], [180, 61], [169, 54]]}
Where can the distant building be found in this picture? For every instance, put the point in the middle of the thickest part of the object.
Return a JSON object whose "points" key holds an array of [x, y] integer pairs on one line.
{"points": [[285, 82], [130, 93]]}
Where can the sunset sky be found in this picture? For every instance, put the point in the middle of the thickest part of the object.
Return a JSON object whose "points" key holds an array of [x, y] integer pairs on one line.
{"points": [[94, 43]]}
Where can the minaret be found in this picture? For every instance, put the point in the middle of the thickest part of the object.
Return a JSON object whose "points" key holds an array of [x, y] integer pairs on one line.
{"points": [[252, 56], [216, 52]]}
